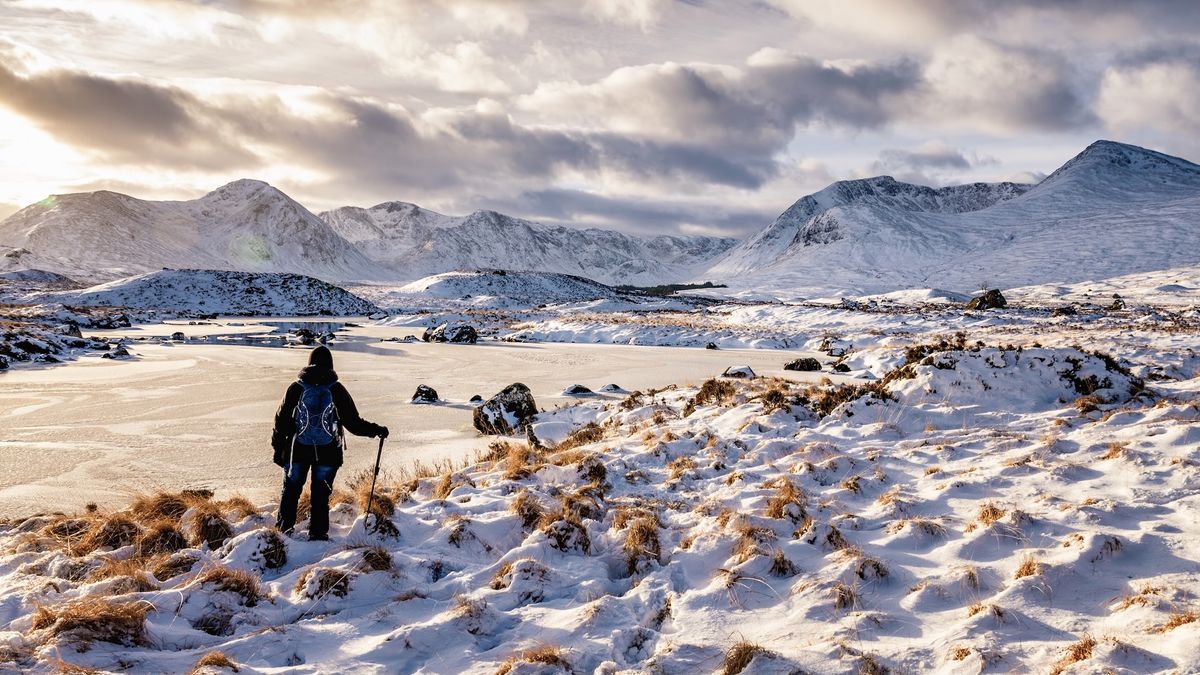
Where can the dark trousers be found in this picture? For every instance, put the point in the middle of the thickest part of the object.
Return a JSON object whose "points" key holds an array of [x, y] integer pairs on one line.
{"points": [[293, 484]]}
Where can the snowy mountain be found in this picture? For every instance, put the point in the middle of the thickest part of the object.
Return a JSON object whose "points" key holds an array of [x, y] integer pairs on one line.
{"points": [[250, 226], [415, 242], [213, 292], [1114, 209], [246, 225]]}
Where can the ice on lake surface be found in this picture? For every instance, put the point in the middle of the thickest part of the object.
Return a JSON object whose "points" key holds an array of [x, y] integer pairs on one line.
{"points": [[198, 414]]}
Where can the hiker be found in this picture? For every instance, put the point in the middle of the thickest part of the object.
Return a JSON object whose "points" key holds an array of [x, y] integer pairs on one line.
{"points": [[309, 433]]}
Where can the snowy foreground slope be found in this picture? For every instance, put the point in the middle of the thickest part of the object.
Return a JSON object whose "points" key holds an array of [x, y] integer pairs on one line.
{"points": [[994, 509], [213, 292], [1113, 210]]}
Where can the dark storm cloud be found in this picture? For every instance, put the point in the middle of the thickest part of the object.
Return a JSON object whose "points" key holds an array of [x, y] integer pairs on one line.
{"points": [[122, 120]]}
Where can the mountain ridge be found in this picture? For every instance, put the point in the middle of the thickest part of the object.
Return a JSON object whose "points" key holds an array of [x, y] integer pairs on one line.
{"points": [[1088, 219]]}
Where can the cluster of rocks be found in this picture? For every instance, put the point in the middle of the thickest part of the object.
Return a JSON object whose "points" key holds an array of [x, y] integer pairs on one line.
{"points": [[453, 333], [992, 299]]}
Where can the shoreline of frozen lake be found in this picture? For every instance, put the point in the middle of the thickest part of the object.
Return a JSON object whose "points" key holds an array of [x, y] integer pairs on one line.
{"points": [[199, 414]]}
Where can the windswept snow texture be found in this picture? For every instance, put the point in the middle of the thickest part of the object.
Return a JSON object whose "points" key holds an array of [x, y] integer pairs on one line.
{"points": [[212, 292], [906, 528], [1114, 209], [415, 242]]}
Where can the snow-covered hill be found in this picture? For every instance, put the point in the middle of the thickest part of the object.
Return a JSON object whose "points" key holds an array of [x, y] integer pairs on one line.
{"points": [[215, 292], [518, 287], [246, 225], [415, 242], [1114, 209]]}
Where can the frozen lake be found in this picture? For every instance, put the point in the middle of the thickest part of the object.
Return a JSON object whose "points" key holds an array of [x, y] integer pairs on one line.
{"points": [[199, 414]]}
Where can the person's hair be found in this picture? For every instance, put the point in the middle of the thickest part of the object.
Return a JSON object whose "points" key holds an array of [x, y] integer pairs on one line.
{"points": [[321, 357]]}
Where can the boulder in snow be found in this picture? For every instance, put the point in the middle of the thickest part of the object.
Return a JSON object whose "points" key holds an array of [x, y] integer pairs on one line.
{"points": [[612, 389], [577, 390], [456, 333], [178, 336], [805, 364], [507, 413], [711, 345], [740, 372], [992, 299], [425, 394]]}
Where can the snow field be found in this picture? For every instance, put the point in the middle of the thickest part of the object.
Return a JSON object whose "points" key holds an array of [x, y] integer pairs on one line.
{"points": [[978, 509]]}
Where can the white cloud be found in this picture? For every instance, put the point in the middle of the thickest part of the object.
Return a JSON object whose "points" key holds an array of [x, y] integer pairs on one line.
{"points": [[1159, 95]]}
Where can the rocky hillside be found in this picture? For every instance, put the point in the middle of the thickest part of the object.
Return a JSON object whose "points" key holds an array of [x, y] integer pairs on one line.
{"points": [[215, 292]]}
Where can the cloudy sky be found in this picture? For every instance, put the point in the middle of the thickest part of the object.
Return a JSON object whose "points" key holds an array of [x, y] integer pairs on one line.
{"points": [[693, 116]]}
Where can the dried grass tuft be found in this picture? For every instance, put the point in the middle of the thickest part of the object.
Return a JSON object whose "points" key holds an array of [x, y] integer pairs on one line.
{"points": [[239, 582], [93, 619], [214, 659], [739, 656]]}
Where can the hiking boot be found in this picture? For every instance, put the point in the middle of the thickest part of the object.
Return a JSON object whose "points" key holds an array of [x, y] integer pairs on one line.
{"points": [[318, 537]]}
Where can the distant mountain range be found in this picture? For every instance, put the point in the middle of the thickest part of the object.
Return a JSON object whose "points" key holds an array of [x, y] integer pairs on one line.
{"points": [[250, 226], [1114, 209]]}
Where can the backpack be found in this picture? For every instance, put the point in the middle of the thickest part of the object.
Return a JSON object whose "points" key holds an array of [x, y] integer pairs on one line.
{"points": [[315, 415]]}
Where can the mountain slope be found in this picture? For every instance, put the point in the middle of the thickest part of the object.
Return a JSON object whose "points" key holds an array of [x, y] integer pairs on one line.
{"points": [[246, 225], [1114, 209], [416, 242], [227, 293]]}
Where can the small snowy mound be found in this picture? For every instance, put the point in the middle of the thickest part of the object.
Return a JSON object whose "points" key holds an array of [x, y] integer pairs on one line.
{"points": [[36, 276], [741, 372], [502, 288], [220, 292], [1011, 378]]}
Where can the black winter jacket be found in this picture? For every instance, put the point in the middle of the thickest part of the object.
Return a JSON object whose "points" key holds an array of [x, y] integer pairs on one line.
{"points": [[285, 422]]}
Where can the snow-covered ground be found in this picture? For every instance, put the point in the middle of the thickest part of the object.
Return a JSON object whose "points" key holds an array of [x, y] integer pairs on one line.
{"points": [[981, 509]]}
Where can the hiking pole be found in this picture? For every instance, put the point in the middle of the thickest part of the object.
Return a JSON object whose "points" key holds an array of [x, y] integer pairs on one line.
{"points": [[374, 476]]}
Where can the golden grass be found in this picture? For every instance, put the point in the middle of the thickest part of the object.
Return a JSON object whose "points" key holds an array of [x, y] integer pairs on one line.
{"points": [[377, 559], [990, 513], [738, 656], [1116, 450], [584, 435], [844, 596], [528, 508], [788, 501], [752, 541], [781, 566], [93, 619], [1178, 618], [1079, 651], [214, 659], [171, 567], [544, 654], [241, 507], [113, 532], [960, 653], [681, 466], [642, 546], [162, 536], [1029, 567], [329, 581], [240, 582], [208, 526]]}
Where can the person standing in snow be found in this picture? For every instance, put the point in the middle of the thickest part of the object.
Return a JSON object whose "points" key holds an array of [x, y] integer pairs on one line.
{"points": [[309, 435]]}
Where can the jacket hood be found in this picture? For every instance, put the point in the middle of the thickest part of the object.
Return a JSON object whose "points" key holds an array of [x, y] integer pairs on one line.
{"points": [[317, 375]]}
